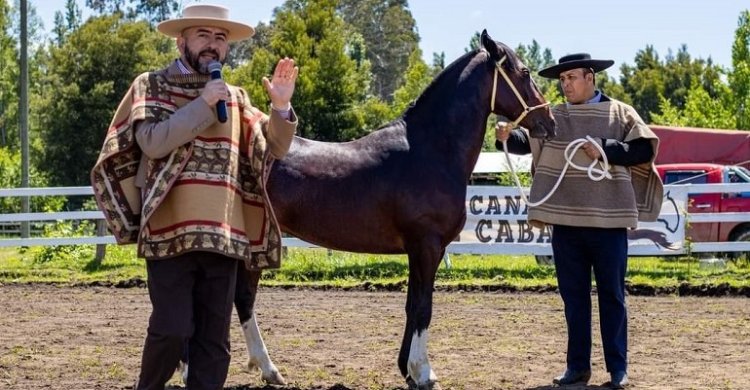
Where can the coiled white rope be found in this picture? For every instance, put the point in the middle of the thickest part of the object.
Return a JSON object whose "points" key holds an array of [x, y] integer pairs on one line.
{"points": [[594, 173]]}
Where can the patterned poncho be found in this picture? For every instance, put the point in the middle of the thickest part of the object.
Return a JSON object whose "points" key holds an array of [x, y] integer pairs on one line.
{"points": [[206, 195], [634, 193]]}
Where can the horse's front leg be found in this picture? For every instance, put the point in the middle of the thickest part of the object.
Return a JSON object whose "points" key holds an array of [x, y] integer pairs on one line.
{"points": [[244, 302], [424, 259]]}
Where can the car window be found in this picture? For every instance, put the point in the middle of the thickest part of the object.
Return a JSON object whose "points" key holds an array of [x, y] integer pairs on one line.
{"points": [[685, 177], [738, 175]]}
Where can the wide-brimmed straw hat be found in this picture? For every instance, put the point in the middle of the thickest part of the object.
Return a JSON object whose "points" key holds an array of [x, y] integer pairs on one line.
{"points": [[574, 61], [209, 15]]}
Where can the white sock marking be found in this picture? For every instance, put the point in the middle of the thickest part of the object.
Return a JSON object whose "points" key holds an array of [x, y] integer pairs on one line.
{"points": [[256, 348], [418, 366]]}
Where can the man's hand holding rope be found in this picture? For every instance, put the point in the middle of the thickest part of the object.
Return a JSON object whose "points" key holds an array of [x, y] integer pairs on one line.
{"points": [[589, 145], [502, 131]]}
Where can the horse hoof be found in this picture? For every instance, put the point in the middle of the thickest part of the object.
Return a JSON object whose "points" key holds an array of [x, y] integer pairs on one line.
{"points": [[182, 367], [274, 378], [431, 385]]}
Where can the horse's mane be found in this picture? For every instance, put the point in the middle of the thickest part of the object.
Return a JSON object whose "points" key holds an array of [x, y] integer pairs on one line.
{"points": [[456, 66], [453, 71]]}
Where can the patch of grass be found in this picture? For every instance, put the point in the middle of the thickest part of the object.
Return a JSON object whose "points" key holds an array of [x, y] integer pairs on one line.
{"points": [[26, 266], [671, 272], [116, 372], [320, 267]]}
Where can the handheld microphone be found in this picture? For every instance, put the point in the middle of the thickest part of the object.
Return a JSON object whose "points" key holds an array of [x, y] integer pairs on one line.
{"points": [[214, 67]]}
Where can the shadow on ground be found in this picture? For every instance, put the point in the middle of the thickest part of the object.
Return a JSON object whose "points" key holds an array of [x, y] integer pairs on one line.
{"points": [[343, 387]]}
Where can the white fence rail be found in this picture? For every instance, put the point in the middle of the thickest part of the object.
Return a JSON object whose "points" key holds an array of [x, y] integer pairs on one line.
{"points": [[731, 188], [456, 247]]}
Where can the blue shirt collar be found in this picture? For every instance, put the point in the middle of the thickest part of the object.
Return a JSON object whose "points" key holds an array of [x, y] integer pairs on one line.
{"points": [[596, 99]]}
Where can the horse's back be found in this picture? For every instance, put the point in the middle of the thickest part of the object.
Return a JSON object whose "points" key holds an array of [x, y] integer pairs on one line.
{"points": [[341, 195], [342, 161]]}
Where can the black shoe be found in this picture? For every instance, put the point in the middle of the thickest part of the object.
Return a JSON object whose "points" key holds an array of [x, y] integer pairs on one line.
{"points": [[619, 380], [573, 377]]}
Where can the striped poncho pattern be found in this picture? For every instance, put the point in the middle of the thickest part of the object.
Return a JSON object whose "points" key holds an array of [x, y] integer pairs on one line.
{"points": [[206, 195], [634, 193]]}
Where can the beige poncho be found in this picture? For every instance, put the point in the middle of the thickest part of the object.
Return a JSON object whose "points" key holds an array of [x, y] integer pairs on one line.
{"points": [[634, 193], [207, 195]]}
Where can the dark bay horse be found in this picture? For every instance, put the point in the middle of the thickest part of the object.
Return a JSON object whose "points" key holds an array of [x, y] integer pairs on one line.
{"points": [[400, 189]]}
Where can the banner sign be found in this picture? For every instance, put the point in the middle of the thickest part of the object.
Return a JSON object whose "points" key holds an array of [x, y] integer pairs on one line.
{"points": [[497, 216]]}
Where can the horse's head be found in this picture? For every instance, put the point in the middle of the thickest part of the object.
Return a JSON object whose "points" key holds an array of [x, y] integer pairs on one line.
{"points": [[514, 93]]}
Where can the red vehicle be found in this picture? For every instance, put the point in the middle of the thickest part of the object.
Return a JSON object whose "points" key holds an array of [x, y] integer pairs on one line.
{"points": [[694, 145], [699, 173]]}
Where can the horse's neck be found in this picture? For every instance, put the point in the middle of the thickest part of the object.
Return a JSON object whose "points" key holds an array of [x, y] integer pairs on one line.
{"points": [[453, 117]]}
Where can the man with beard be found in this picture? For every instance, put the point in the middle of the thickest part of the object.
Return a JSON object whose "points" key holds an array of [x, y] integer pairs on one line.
{"points": [[189, 189]]}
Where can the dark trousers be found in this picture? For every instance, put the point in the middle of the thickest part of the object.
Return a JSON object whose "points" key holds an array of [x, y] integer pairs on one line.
{"points": [[191, 296], [576, 250]]}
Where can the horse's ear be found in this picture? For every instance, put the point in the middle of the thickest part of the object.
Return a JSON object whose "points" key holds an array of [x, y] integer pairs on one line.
{"points": [[491, 46]]}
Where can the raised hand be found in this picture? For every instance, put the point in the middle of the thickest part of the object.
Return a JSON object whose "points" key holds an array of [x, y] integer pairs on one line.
{"points": [[281, 87]]}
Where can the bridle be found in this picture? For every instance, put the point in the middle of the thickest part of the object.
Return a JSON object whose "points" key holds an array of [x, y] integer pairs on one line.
{"points": [[526, 109]]}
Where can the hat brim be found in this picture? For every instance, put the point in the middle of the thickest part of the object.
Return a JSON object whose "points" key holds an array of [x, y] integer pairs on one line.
{"points": [[553, 72], [235, 31]]}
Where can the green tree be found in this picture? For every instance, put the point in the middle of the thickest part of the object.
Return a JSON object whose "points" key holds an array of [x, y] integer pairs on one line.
{"points": [[644, 82], [536, 59], [67, 22], [375, 113], [700, 110], [9, 74], [10, 177], [88, 76], [610, 87], [418, 77], [739, 77], [475, 42], [333, 79], [34, 24], [242, 51], [390, 31], [651, 79], [152, 10], [9, 66], [250, 73], [438, 62]]}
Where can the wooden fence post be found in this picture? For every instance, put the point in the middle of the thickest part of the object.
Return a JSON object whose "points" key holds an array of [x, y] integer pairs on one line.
{"points": [[101, 249]]}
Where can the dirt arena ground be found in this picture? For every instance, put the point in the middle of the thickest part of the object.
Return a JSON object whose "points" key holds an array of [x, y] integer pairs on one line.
{"points": [[90, 338]]}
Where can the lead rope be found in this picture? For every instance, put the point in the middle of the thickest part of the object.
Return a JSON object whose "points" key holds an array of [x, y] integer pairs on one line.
{"points": [[594, 173], [591, 170]]}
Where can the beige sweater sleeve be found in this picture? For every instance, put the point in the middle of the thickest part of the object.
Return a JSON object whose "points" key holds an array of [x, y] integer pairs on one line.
{"points": [[158, 139], [279, 132]]}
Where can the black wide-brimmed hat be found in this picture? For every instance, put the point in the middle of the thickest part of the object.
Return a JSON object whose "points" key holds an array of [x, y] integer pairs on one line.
{"points": [[574, 61]]}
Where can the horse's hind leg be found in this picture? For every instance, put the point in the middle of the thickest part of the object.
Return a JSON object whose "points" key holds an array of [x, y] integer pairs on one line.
{"points": [[424, 259], [244, 302]]}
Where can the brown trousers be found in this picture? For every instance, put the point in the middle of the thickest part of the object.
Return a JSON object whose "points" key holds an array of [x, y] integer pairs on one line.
{"points": [[191, 296]]}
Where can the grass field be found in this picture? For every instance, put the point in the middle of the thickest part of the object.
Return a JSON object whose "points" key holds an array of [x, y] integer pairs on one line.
{"points": [[311, 267]]}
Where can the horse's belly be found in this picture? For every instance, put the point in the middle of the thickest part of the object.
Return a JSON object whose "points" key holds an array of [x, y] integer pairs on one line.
{"points": [[352, 234]]}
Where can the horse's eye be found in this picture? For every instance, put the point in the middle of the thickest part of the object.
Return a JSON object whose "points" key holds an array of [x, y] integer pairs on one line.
{"points": [[526, 71]]}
